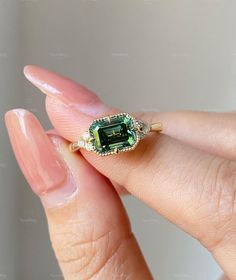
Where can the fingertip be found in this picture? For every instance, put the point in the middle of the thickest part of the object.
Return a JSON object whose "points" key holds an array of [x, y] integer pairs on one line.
{"points": [[68, 122], [34, 152], [27, 69], [30, 71], [9, 114], [14, 118]]}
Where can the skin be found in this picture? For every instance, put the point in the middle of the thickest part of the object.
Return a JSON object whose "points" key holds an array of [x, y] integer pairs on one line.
{"points": [[187, 174]]}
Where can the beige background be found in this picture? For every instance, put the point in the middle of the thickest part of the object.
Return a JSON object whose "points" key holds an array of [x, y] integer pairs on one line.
{"points": [[138, 55]]}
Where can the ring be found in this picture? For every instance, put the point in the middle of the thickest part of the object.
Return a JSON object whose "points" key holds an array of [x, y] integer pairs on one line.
{"points": [[114, 134]]}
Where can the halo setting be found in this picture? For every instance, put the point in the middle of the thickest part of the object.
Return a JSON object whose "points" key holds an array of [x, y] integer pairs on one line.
{"points": [[112, 134]]}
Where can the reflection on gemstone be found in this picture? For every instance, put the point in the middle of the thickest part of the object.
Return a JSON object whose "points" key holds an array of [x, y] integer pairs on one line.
{"points": [[113, 134]]}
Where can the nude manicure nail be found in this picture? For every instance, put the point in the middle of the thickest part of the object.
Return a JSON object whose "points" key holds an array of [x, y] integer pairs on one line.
{"points": [[73, 94], [68, 190], [35, 153]]}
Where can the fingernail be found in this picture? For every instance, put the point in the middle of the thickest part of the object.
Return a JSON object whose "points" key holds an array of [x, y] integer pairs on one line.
{"points": [[68, 91], [67, 191], [35, 153]]}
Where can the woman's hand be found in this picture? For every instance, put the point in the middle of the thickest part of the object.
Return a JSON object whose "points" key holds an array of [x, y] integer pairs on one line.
{"points": [[187, 174]]}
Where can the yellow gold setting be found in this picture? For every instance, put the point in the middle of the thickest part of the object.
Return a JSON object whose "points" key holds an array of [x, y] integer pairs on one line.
{"points": [[114, 134]]}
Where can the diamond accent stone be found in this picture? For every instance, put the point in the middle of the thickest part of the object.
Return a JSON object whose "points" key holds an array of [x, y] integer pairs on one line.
{"points": [[82, 143], [142, 128], [86, 136]]}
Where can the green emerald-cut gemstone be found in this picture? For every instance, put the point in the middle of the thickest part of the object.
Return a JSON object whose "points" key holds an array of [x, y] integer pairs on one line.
{"points": [[113, 134]]}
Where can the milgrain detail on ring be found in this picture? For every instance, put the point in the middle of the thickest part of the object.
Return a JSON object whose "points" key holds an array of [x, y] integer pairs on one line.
{"points": [[113, 134]]}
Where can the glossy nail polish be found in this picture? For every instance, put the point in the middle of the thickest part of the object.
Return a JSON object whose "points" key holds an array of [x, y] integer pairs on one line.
{"points": [[71, 93], [35, 153]]}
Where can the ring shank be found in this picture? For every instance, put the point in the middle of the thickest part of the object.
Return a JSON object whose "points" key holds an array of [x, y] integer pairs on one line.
{"points": [[73, 147], [156, 127]]}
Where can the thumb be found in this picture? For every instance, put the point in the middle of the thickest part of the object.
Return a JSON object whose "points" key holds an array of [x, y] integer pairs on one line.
{"points": [[88, 226]]}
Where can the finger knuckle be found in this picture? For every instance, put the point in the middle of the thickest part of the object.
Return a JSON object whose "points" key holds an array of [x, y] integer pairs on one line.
{"points": [[221, 199], [83, 255]]}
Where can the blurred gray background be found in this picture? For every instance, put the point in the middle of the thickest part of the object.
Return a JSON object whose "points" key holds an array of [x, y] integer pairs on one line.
{"points": [[137, 55]]}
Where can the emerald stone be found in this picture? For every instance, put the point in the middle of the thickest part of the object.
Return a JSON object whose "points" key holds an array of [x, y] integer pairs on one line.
{"points": [[113, 134]]}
